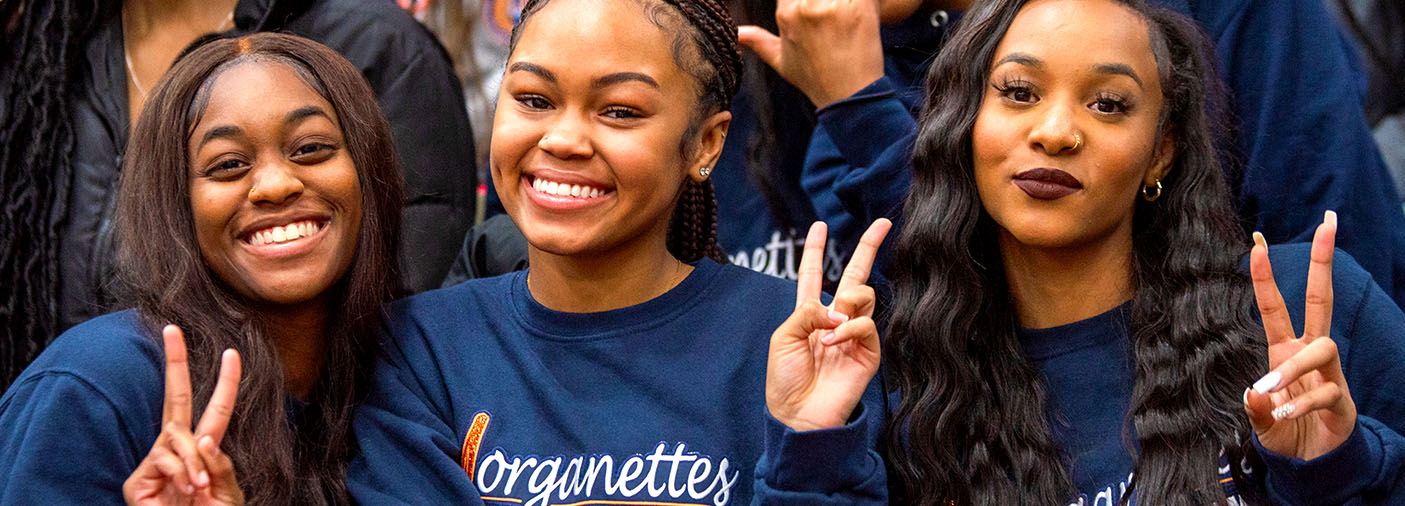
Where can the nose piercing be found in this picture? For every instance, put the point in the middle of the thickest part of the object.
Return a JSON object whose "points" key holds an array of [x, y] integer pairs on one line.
{"points": [[252, 189], [1077, 141]]}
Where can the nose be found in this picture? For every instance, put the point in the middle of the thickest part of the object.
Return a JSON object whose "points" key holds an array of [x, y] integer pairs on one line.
{"points": [[567, 137], [1056, 132], [275, 183]]}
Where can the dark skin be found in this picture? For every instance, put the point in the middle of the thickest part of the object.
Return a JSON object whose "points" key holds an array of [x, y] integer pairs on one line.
{"points": [[155, 32], [593, 98]]}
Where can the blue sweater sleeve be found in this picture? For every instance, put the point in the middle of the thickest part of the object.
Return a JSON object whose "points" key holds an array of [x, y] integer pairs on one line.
{"points": [[1304, 140], [63, 442], [1364, 470], [858, 167], [833, 467], [409, 454]]}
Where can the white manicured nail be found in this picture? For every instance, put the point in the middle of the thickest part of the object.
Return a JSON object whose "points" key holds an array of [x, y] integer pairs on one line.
{"points": [[1329, 217], [1267, 383], [1283, 411]]}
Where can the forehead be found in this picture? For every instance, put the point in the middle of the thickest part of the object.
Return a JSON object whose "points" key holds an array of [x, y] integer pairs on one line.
{"points": [[1079, 34], [255, 90], [597, 37]]}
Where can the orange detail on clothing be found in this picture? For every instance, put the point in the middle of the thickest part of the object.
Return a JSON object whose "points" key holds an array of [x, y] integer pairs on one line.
{"points": [[472, 440]]}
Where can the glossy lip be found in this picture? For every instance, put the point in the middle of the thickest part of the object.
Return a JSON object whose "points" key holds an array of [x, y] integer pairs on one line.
{"points": [[285, 249], [1045, 183], [558, 203]]}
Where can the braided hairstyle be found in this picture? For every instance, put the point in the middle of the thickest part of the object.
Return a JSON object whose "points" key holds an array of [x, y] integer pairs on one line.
{"points": [[45, 38], [705, 46]]}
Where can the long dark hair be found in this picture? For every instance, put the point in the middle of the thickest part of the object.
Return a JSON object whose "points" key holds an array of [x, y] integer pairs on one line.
{"points": [[972, 427], [170, 283], [43, 50], [705, 46]]}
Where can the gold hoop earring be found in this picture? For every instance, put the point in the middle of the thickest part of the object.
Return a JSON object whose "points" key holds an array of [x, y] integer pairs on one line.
{"points": [[1077, 141], [1148, 195]]}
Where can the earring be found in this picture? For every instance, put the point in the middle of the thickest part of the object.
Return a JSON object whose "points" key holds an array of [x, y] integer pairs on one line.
{"points": [[1077, 141], [704, 172], [1150, 196]]}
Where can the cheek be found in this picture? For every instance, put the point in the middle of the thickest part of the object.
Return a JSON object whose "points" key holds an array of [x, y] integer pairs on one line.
{"points": [[990, 143]]}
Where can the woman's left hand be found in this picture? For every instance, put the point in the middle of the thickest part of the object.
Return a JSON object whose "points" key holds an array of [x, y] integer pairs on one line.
{"points": [[1302, 407]]}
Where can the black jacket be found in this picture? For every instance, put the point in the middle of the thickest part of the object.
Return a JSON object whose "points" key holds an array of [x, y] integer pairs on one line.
{"points": [[410, 73]]}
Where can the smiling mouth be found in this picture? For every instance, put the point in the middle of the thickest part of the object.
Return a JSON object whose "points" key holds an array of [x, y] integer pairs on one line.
{"points": [[285, 233], [568, 190]]}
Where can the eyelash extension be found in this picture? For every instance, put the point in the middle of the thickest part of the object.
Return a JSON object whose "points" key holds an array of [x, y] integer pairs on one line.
{"points": [[1009, 84], [1122, 104]]}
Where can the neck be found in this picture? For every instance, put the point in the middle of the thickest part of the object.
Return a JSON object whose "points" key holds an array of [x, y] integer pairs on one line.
{"points": [[209, 15], [300, 336], [601, 282], [1058, 286]]}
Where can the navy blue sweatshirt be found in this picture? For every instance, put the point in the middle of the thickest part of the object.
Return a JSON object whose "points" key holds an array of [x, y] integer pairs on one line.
{"points": [[484, 396], [1303, 141], [1087, 367], [76, 423]]}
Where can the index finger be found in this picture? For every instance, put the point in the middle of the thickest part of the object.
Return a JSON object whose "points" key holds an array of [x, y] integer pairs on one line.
{"points": [[215, 419], [811, 279], [1278, 327], [861, 263], [1317, 315], [177, 405]]}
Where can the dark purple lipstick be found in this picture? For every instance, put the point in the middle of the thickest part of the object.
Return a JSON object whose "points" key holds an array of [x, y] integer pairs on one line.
{"points": [[1047, 184]]}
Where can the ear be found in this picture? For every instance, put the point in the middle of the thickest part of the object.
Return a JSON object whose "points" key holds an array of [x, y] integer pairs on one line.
{"points": [[712, 134], [1161, 160]]}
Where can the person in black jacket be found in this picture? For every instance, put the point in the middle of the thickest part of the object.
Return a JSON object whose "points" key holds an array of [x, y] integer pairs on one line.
{"points": [[60, 153]]}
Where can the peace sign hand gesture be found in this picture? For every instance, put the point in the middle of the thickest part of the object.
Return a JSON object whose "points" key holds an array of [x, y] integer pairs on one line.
{"points": [[1302, 407], [184, 468], [822, 358]]}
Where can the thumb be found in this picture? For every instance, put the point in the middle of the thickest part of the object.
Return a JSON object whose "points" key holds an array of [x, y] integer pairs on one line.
{"points": [[764, 43], [1259, 407]]}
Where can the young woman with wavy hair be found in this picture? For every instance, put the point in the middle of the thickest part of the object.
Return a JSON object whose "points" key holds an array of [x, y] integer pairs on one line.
{"points": [[259, 216], [1072, 323]]}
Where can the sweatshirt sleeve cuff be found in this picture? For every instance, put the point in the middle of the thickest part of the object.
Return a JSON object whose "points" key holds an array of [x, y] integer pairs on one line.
{"points": [[1329, 479], [822, 461], [868, 123]]}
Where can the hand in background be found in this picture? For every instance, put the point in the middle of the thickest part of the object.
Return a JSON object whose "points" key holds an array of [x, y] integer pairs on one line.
{"points": [[829, 49]]}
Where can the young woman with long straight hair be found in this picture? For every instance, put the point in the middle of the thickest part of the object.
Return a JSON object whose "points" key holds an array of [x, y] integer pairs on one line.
{"points": [[259, 212], [1072, 323]]}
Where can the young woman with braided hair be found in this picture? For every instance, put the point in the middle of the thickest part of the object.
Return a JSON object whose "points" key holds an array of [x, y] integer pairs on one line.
{"points": [[627, 364]]}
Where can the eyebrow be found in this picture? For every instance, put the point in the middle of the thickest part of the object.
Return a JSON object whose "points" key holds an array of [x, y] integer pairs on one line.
{"points": [[220, 132], [1119, 69], [305, 112], [1025, 59], [599, 82]]}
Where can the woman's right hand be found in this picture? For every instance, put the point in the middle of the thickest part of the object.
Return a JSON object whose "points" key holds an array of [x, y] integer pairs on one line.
{"points": [[185, 468], [822, 358]]}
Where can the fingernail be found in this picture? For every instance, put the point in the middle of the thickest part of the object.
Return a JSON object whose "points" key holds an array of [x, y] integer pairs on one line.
{"points": [[1330, 217], [1267, 383], [1283, 411], [1259, 239], [1246, 397], [827, 338], [838, 317], [204, 478], [190, 490]]}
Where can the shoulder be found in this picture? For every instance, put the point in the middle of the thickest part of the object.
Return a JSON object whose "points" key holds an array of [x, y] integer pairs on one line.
{"points": [[753, 291], [462, 306]]}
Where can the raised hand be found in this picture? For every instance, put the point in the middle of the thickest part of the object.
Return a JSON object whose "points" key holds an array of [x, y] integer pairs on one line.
{"points": [[185, 468], [1302, 407], [829, 49], [822, 358]]}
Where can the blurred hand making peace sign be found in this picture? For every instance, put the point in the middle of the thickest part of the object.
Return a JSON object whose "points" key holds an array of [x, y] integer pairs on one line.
{"points": [[184, 468], [1302, 407], [822, 358]]}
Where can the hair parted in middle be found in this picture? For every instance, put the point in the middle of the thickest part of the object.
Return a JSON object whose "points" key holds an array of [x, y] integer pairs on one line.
{"points": [[706, 48], [971, 427], [170, 282]]}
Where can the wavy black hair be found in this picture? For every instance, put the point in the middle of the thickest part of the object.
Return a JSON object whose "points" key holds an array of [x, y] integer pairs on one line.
{"points": [[972, 426], [276, 462], [705, 47]]}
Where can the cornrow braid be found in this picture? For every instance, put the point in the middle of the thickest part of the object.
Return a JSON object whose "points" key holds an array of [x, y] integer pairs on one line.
{"points": [[717, 67], [36, 147]]}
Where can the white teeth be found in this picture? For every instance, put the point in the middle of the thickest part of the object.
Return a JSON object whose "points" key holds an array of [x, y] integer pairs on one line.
{"points": [[565, 190], [289, 232]]}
